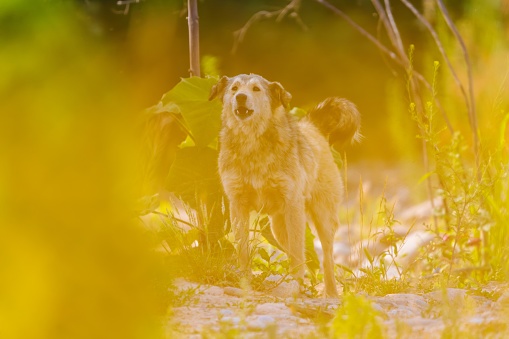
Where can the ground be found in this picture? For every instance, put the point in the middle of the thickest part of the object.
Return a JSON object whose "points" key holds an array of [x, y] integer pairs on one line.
{"points": [[213, 311]]}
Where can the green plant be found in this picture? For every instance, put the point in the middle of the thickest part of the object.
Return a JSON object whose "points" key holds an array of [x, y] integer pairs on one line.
{"points": [[497, 231], [203, 264], [471, 198], [273, 264], [379, 273], [181, 158], [356, 318], [184, 297]]}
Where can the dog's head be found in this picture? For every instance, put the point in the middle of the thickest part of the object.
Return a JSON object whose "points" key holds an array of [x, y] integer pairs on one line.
{"points": [[249, 96]]}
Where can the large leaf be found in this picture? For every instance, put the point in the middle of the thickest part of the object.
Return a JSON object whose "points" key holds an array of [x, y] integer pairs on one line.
{"points": [[203, 117], [193, 176]]}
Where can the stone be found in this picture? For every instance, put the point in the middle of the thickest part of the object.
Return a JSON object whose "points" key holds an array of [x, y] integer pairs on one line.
{"points": [[342, 251], [411, 246], [266, 319], [272, 308], [407, 299], [233, 291], [503, 300], [377, 307], [450, 294], [226, 313], [421, 211], [256, 325], [184, 285], [286, 289], [259, 323], [402, 312], [214, 290], [231, 320], [428, 325]]}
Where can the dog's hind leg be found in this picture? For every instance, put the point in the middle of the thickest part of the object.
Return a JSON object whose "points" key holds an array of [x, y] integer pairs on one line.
{"points": [[289, 230], [278, 227], [326, 223], [295, 221]]}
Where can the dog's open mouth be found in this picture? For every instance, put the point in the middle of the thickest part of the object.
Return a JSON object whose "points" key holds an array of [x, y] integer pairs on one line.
{"points": [[243, 112]]}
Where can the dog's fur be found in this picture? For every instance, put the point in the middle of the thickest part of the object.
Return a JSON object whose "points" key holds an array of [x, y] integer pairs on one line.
{"points": [[269, 161]]}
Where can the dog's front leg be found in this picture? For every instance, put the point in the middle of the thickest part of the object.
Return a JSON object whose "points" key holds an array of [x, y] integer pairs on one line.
{"points": [[295, 220], [240, 221]]}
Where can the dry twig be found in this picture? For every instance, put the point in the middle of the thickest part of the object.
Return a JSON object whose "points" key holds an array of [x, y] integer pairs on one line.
{"points": [[471, 107], [291, 10], [127, 4]]}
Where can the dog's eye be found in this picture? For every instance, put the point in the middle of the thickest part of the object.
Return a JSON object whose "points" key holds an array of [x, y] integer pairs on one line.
{"points": [[256, 89], [234, 88]]}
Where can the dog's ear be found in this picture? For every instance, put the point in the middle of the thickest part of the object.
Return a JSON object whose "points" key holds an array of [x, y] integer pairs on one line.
{"points": [[279, 95], [218, 89]]}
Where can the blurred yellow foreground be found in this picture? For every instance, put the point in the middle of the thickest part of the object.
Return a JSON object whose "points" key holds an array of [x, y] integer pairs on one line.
{"points": [[73, 263]]}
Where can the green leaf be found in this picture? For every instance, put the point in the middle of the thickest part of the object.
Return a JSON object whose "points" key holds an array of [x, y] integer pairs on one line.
{"points": [[203, 117], [502, 132], [368, 256], [170, 107], [193, 176], [187, 143], [147, 204], [312, 261], [178, 239], [298, 112], [263, 254], [338, 158], [425, 177], [346, 269]]}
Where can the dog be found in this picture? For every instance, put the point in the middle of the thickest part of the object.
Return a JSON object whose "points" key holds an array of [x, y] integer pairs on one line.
{"points": [[269, 161]]}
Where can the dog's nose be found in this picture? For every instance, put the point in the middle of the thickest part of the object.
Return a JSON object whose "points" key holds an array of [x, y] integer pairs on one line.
{"points": [[241, 98]]}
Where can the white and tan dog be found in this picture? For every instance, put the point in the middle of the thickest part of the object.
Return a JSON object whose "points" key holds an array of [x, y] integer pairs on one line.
{"points": [[269, 161]]}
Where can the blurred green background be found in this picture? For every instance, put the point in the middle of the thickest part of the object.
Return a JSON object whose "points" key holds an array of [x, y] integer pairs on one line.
{"points": [[146, 46], [74, 77]]}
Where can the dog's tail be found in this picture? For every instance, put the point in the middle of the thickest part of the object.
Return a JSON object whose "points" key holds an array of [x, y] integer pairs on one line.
{"points": [[338, 119]]}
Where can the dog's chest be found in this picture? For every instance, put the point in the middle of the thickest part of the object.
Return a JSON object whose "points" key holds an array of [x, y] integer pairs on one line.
{"points": [[255, 162], [255, 169]]}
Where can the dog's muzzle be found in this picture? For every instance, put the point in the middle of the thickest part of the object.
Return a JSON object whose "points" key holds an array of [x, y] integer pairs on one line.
{"points": [[243, 112]]}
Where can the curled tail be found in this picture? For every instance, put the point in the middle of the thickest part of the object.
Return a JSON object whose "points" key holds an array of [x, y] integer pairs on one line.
{"points": [[338, 119]]}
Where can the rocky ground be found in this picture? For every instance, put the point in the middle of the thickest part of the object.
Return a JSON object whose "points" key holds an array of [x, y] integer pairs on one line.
{"points": [[212, 311]]}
